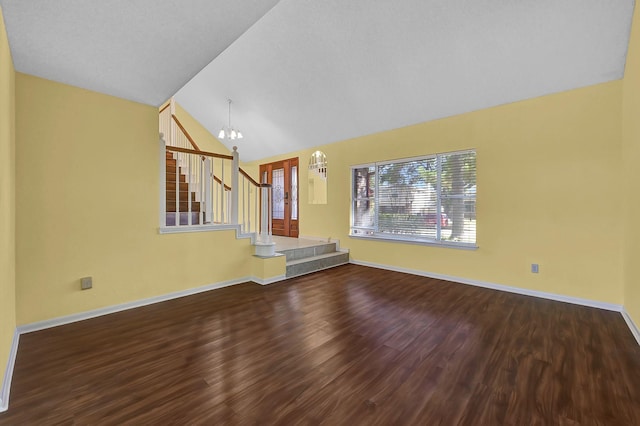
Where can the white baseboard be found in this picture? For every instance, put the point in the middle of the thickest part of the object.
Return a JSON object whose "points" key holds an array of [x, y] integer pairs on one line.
{"points": [[632, 326], [517, 290], [267, 281], [54, 322], [8, 372]]}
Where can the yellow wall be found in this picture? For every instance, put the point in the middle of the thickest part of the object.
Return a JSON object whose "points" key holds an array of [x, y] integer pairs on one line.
{"points": [[7, 201], [548, 192], [317, 188], [87, 196], [269, 268], [631, 176]]}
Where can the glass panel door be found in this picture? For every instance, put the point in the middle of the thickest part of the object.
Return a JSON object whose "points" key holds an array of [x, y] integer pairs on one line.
{"points": [[283, 177], [294, 192], [278, 193]]}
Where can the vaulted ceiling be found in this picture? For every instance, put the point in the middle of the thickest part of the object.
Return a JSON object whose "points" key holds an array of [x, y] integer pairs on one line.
{"points": [[141, 50], [303, 73]]}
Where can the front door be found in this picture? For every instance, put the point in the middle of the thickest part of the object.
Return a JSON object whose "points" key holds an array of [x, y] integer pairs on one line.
{"points": [[283, 177]]}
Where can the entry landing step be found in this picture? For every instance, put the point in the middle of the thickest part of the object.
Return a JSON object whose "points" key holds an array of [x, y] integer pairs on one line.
{"points": [[305, 256]]}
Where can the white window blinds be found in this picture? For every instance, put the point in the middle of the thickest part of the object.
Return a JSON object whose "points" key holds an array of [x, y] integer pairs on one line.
{"points": [[429, 199]]}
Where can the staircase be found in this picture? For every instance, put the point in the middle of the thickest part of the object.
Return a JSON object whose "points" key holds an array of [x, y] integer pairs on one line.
{"points": [[214, 191], [312, 256], [171, 186]]}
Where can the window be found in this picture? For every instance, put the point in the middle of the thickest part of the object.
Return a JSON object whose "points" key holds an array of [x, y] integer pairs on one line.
{"points": [[429, 199]]}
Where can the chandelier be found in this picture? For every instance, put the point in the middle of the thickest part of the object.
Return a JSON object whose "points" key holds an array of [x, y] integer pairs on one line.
{"points": [[229, 132]]}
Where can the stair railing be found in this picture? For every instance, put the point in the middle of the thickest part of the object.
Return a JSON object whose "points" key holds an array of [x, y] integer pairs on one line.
{"points": [[215, 191], [250, 203], [207, 198]]}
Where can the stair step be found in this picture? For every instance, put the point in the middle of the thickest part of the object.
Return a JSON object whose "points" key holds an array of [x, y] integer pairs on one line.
{"points": [[171, 196], [303, 252], [171, 186], [171, 177], [311, 264], [171, 168]]}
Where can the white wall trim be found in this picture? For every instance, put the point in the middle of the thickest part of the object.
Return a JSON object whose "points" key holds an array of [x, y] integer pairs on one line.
{"points": [[266, 281], [182, 229], [54, 322], [500, 287], [8, 372], [632, 326]]}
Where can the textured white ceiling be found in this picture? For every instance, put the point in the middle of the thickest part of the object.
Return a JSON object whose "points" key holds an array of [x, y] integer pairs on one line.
{"points": [[142, 50], [308, 72], [314, 72]]}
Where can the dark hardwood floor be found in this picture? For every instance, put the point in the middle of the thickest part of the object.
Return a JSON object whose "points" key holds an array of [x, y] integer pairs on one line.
{"points": [[350, 345]]}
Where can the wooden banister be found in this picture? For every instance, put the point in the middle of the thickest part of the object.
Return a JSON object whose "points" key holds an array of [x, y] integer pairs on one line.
{"points": [[198, 152], [184, 132], [164, 107], [249, 178]]}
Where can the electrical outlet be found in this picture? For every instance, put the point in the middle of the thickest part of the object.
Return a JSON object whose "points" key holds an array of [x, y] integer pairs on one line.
{"points": [[86, 283], [535, 268]]}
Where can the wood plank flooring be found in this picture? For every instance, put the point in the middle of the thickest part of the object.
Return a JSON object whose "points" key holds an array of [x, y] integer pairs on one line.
{"points": [[350, 345]]}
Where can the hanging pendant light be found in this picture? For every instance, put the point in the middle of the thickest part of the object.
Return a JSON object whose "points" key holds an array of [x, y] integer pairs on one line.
{"points": [[229, 132]]}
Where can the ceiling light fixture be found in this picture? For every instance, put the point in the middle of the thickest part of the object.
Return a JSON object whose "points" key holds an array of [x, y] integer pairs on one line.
{"points": [[229, 132]]}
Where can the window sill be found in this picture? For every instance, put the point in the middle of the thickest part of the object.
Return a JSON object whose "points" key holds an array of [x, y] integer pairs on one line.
{"points": [[395, 239]]}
